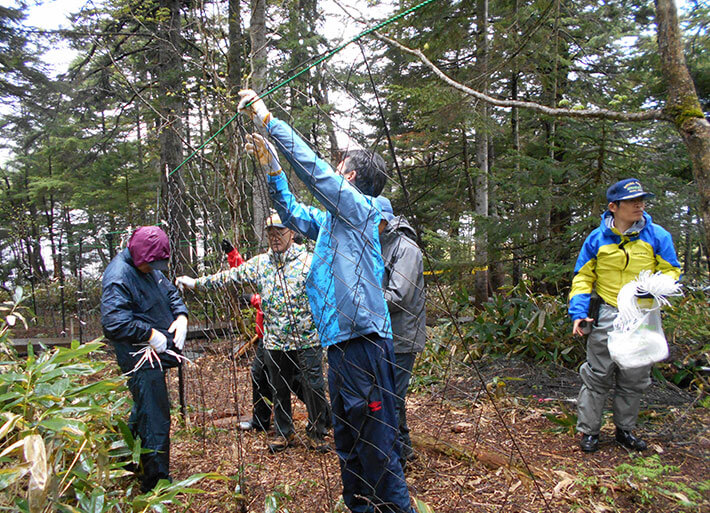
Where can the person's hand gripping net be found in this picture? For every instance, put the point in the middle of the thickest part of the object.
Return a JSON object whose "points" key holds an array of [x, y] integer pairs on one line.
{"points": [[185, 282], [254, 106], [264, 152]]}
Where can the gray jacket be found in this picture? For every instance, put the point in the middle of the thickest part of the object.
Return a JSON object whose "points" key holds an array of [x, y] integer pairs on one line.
{"points": [[404, 286]]}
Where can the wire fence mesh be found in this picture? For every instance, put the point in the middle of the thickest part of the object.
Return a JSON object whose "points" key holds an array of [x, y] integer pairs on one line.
{"points": [[479, 434]]}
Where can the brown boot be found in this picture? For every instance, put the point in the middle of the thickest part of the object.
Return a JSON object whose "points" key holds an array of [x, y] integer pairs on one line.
{"points": [[319, 445], [282, 443]]}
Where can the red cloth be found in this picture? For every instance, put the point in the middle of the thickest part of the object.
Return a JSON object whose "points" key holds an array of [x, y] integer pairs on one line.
{"points": [[256, 303], [235, 260]]}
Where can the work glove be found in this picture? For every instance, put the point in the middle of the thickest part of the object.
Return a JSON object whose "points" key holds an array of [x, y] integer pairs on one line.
{"points": [[264, 152], [185, 282], [179, 328], [158, 341], [257, 111], [233, 256], [227, 246]]}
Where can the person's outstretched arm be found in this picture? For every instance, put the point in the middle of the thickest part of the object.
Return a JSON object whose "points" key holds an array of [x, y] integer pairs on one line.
{"points": [[332, 190]]}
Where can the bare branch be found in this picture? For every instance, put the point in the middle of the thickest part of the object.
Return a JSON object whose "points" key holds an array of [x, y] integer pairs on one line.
{"points": [[655, 114]]}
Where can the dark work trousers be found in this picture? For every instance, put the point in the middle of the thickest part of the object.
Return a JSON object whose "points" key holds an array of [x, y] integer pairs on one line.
{"points": [[260, 390], [150, 420], [312, 385], [404, 362], [361, 382], [301, 372]]}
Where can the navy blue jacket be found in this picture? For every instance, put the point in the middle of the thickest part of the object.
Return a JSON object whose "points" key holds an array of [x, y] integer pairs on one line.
{"points": [[133, 303]]}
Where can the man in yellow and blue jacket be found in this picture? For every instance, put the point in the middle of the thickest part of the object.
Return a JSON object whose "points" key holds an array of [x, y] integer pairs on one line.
{"points": [[626, 243]]}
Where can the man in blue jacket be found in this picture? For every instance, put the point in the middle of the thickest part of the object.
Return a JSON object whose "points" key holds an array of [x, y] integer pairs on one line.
{"points": [[626, 243], [345, 292], [140, 307]]}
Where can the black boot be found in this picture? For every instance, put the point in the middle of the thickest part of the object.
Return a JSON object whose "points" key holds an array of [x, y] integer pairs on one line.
{"points": [[628, 440], [589, 443]]}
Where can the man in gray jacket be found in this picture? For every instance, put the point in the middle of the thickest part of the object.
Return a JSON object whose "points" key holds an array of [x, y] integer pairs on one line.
{"points": [[403, 287]]}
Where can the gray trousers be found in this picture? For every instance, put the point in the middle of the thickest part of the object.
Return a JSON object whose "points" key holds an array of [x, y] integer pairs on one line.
{"points": [[599, 374]]}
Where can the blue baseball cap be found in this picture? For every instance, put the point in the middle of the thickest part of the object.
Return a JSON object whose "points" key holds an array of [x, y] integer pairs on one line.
{"points": [[627, 189], [385, 208]]}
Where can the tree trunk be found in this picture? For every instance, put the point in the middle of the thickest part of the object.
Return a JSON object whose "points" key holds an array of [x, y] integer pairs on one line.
{"points": [[34, 248], [71, 250], [233, 181], [50, 227], [490, 459], [320, 92], [556, 218], [515, 137], [170, 77], [682, 105], [496, 271], [257, 34], [141, 167], [481, 197], [235, 64]]}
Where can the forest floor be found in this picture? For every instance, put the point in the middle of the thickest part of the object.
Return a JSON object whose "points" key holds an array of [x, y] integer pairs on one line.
{"points": [[476, 450]]}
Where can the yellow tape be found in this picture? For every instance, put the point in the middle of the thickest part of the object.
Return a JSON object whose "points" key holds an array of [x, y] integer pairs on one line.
{"points": [[441, 271]]}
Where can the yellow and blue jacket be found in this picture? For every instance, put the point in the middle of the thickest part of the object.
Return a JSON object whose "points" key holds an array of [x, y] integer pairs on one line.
{"points": [[609, 260]]}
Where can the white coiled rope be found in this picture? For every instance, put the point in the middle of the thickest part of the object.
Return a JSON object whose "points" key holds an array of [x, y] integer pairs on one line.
{"points": [[658, 285], [637, 339]]}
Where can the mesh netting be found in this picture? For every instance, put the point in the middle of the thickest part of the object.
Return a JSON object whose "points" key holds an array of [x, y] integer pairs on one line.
{"points": [[476, 437]]}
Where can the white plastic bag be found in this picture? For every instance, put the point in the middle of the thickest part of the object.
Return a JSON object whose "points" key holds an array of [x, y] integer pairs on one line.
{"points": [[641, 346], [637, 339]]}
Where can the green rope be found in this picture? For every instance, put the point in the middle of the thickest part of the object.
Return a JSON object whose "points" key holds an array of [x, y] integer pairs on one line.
{"points": [[325, 57]]}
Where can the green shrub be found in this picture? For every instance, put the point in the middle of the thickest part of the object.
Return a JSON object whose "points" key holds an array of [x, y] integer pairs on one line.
{"points": [[649, 478], [535, 326], [63, 443], [518, 323], [688, 333]]}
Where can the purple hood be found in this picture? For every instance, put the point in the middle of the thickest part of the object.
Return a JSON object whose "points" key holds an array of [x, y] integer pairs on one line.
{"points": [[148, 244]]}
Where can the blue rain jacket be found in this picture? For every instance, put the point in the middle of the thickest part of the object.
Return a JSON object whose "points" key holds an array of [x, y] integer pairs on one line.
{"points": [[345, 282]]}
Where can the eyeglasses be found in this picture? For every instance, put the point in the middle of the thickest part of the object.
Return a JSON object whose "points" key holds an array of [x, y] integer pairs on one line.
{"points": [[274, 232]]}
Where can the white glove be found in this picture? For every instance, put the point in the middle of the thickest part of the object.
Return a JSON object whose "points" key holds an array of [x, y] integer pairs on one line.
{"points": [[179, 327], [185, 282], [264, 152], [158, 341], [257, 111]]}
